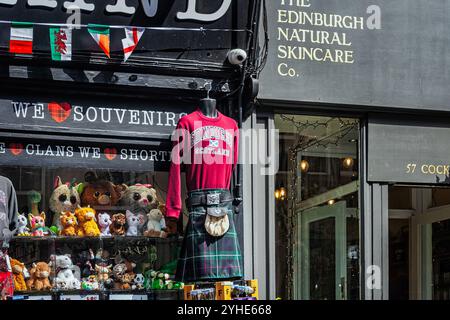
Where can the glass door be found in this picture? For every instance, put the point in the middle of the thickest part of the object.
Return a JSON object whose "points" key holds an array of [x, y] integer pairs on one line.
{"points": [[431, 253], [323, 255]]}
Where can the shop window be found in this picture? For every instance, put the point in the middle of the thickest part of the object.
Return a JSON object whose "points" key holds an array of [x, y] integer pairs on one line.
{"points": [[400, 198], [317, 208], [91, 255], [440, 197]]}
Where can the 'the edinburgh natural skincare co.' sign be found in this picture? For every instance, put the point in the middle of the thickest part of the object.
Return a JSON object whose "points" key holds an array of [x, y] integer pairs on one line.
{"points": [[361, 52]]}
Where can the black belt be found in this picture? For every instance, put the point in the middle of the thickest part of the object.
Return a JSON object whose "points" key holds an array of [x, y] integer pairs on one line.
{"points": [[209, 199]]}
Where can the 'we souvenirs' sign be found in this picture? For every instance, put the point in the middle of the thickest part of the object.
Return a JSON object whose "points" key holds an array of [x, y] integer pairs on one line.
{"points": [[117, 117]]}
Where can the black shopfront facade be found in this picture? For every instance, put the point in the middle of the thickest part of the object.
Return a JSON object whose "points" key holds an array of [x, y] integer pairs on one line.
{"points": [[358, 94], [98, 113]]}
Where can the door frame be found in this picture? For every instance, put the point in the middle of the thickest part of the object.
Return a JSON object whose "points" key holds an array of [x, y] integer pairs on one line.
{"points": [[421, 217], [338, 211]]}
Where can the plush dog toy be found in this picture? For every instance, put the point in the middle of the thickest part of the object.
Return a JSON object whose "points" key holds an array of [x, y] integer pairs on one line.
{"points": [[118, 224], [39, 277], [86, 222]]}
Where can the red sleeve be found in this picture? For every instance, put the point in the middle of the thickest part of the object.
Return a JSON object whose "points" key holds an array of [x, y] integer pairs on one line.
{"points": [[173, 201]]}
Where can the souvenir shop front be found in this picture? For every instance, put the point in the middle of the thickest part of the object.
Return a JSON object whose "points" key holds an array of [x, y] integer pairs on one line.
{"points": [[85, 133], [358, 94]]}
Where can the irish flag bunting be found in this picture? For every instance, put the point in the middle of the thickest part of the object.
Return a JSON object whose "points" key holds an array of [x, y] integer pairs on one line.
{"points": [[61, 44], [101, 36], [21, 40], [133, 35]]}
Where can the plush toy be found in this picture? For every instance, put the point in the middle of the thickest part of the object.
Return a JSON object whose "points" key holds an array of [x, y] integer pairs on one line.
{"points": [[85, 261], [86, 222], [22, 226], [34, 198], [126, 281], [156, 224], [135, 223], [65, 278], [104, 221], [138, 282], [65, 197], [140, 199], [69, 224], [99, 192], [39, 277], [37, 224], [117, 227], [18, 270], [90, 283], [104, 273]]}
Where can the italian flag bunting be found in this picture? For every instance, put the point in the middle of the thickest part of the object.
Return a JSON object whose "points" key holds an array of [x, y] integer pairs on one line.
{"points": [[132, 37], [61, 44], [100, 34], [21, 40]]}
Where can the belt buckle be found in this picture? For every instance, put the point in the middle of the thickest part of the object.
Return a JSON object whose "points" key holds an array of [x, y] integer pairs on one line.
{"points": [[212, 199]]}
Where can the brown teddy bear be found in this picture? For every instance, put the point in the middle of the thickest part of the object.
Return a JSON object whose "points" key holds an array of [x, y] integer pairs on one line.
{"points": [[18, 269], [39, 274], [99, 193], [117, 226]]}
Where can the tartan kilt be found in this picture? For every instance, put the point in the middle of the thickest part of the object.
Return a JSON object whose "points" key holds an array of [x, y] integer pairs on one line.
{"points": [[207, 258]]}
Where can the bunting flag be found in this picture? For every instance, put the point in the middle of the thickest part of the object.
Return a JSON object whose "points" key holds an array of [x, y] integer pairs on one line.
{"points": [[21, 40], [101, 36], [133, 35], [61, 44]]}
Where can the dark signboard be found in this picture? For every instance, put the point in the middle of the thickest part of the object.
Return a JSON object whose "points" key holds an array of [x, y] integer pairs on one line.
{"points": [[178, 29], [359, 52], [90, 155], [408, 151], [92, 116]]}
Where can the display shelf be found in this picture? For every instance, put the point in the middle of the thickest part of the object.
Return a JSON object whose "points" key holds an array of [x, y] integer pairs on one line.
{"points": [[101, 295], [112, 238]]}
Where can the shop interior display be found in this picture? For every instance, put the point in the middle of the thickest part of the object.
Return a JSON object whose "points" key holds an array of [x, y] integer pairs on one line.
{"points": [[92, 236]]}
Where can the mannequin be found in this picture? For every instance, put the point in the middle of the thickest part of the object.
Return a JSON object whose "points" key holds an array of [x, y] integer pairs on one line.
{"points": [[206, 144], [208, 107]]}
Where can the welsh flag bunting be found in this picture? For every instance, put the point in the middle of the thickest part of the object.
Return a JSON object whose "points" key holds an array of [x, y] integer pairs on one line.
{"points": [[133, 35], [61, 44], [101, 36], [21, 40]]}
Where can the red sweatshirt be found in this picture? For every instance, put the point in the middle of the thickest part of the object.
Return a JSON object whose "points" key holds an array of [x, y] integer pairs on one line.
{"points": [[208, 147]]}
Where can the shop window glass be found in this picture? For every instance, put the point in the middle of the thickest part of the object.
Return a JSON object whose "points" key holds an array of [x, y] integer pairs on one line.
{"points": [[440, 197], [140, 254], [317, 208], [400, 198]]}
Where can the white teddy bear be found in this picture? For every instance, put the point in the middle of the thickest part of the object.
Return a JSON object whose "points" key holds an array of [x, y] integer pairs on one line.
{"points": [[65, 279]]}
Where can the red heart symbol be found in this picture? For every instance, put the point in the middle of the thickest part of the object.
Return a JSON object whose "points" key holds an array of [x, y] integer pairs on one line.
{"points": [[16, 148], [110, 153], [60, 112]]}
